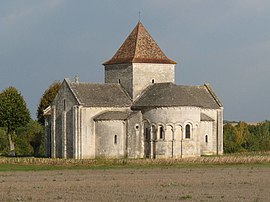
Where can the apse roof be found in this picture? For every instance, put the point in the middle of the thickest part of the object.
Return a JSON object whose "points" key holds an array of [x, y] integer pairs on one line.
{"points": [[169, 95]]}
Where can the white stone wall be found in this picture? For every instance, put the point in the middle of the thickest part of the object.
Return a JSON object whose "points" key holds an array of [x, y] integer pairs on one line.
{"points": [[206, 129], [87, 132], [62, 127], [145, 73], [137, 76], [135, 139], [174, 120], [110, 139], [217, 129], [173, 115]]}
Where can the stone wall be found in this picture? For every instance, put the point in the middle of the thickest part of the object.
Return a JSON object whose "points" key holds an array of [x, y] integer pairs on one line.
{"points": [[206, 139], [120, 73], [63, 113], [135, 139], [110, 139], [47, 120], [137, 76], [144, 74], [87, 130], [217, 130], [173, 121]]}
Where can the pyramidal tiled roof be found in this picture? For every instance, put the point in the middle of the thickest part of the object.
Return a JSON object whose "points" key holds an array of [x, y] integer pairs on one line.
{"points": [[139, 47]]}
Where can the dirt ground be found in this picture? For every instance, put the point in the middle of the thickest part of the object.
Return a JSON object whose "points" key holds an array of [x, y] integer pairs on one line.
{"points": [[245, 183]]}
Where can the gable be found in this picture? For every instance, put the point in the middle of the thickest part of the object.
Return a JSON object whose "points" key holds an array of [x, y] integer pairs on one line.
{"points": [[65, 92]]}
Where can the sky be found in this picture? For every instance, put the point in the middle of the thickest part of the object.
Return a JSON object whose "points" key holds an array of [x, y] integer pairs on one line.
{"points": [[224, 43]]}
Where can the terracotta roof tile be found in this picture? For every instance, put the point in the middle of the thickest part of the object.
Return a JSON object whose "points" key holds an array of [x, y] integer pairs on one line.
{"points": [[139, 47]]}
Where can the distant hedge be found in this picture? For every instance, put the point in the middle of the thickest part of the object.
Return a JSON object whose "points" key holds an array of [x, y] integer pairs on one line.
{"points": [[244, 137]]}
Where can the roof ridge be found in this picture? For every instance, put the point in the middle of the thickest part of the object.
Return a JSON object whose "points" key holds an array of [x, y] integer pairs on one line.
{"points": [[136, 41], [124, 91], [68, 82], [213, 94], [142, 93], [90, 83]]}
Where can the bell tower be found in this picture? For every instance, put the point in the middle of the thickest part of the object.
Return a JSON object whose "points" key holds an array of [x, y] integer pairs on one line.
{"points": [[138, 63]]}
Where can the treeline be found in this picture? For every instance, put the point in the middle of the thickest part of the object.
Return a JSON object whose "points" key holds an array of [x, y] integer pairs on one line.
{"points": [[242, 137], [19, 134]]}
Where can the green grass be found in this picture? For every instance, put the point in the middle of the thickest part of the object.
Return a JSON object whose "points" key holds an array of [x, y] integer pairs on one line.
{"points": [[37, 164], [185, 197]]}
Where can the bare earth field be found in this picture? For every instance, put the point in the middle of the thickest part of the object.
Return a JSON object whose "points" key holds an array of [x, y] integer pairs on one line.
{"points": [[218, 183]]}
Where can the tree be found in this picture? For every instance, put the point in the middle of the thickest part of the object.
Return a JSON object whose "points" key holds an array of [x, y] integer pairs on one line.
{"points": [[3, 142], [30, 139], [46, 100], [13, 113], [264, 135], [230, 139]]}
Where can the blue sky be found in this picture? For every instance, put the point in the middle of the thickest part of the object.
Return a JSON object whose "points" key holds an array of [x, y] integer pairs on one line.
{"points": [[224, 43]]}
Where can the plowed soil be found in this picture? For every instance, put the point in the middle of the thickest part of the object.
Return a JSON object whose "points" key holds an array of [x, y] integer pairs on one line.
{"points": [[234, 183]]}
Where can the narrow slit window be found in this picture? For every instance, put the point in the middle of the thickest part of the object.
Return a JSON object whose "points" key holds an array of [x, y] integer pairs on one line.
{"points": [[206, 138], [161, 132], [188, 131], [119, 81], [64, 103], [153, 80], [115, 139]]}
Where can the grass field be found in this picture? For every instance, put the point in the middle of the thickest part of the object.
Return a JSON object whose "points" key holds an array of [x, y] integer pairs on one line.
{"points": [[35, 164]]}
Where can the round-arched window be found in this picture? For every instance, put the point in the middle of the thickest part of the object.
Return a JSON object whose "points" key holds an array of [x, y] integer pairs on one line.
{"points": [[188, 131]]}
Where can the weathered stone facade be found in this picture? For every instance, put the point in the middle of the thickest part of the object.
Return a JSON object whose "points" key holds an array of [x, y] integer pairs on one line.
{"points": [[138, 113], [136, 77]]}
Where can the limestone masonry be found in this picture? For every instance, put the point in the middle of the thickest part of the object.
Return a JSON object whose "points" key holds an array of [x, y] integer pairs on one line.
{"points": [[139, 112]]}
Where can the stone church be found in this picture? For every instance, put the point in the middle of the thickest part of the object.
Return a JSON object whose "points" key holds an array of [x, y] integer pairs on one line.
{"points": [[139, 112]]}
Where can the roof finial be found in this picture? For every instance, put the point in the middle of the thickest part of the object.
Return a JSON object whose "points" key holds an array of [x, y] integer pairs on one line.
{"points": [[139, 16], [76, 79]]}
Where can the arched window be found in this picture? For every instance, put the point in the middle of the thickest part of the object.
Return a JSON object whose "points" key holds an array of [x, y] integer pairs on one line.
{"points": [[206, 138], [115, 139], [161, 132], [147, 134], [188, 131]]}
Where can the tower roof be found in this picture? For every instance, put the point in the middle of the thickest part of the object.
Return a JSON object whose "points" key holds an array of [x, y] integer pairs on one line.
{"points": [[139, 47]]}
